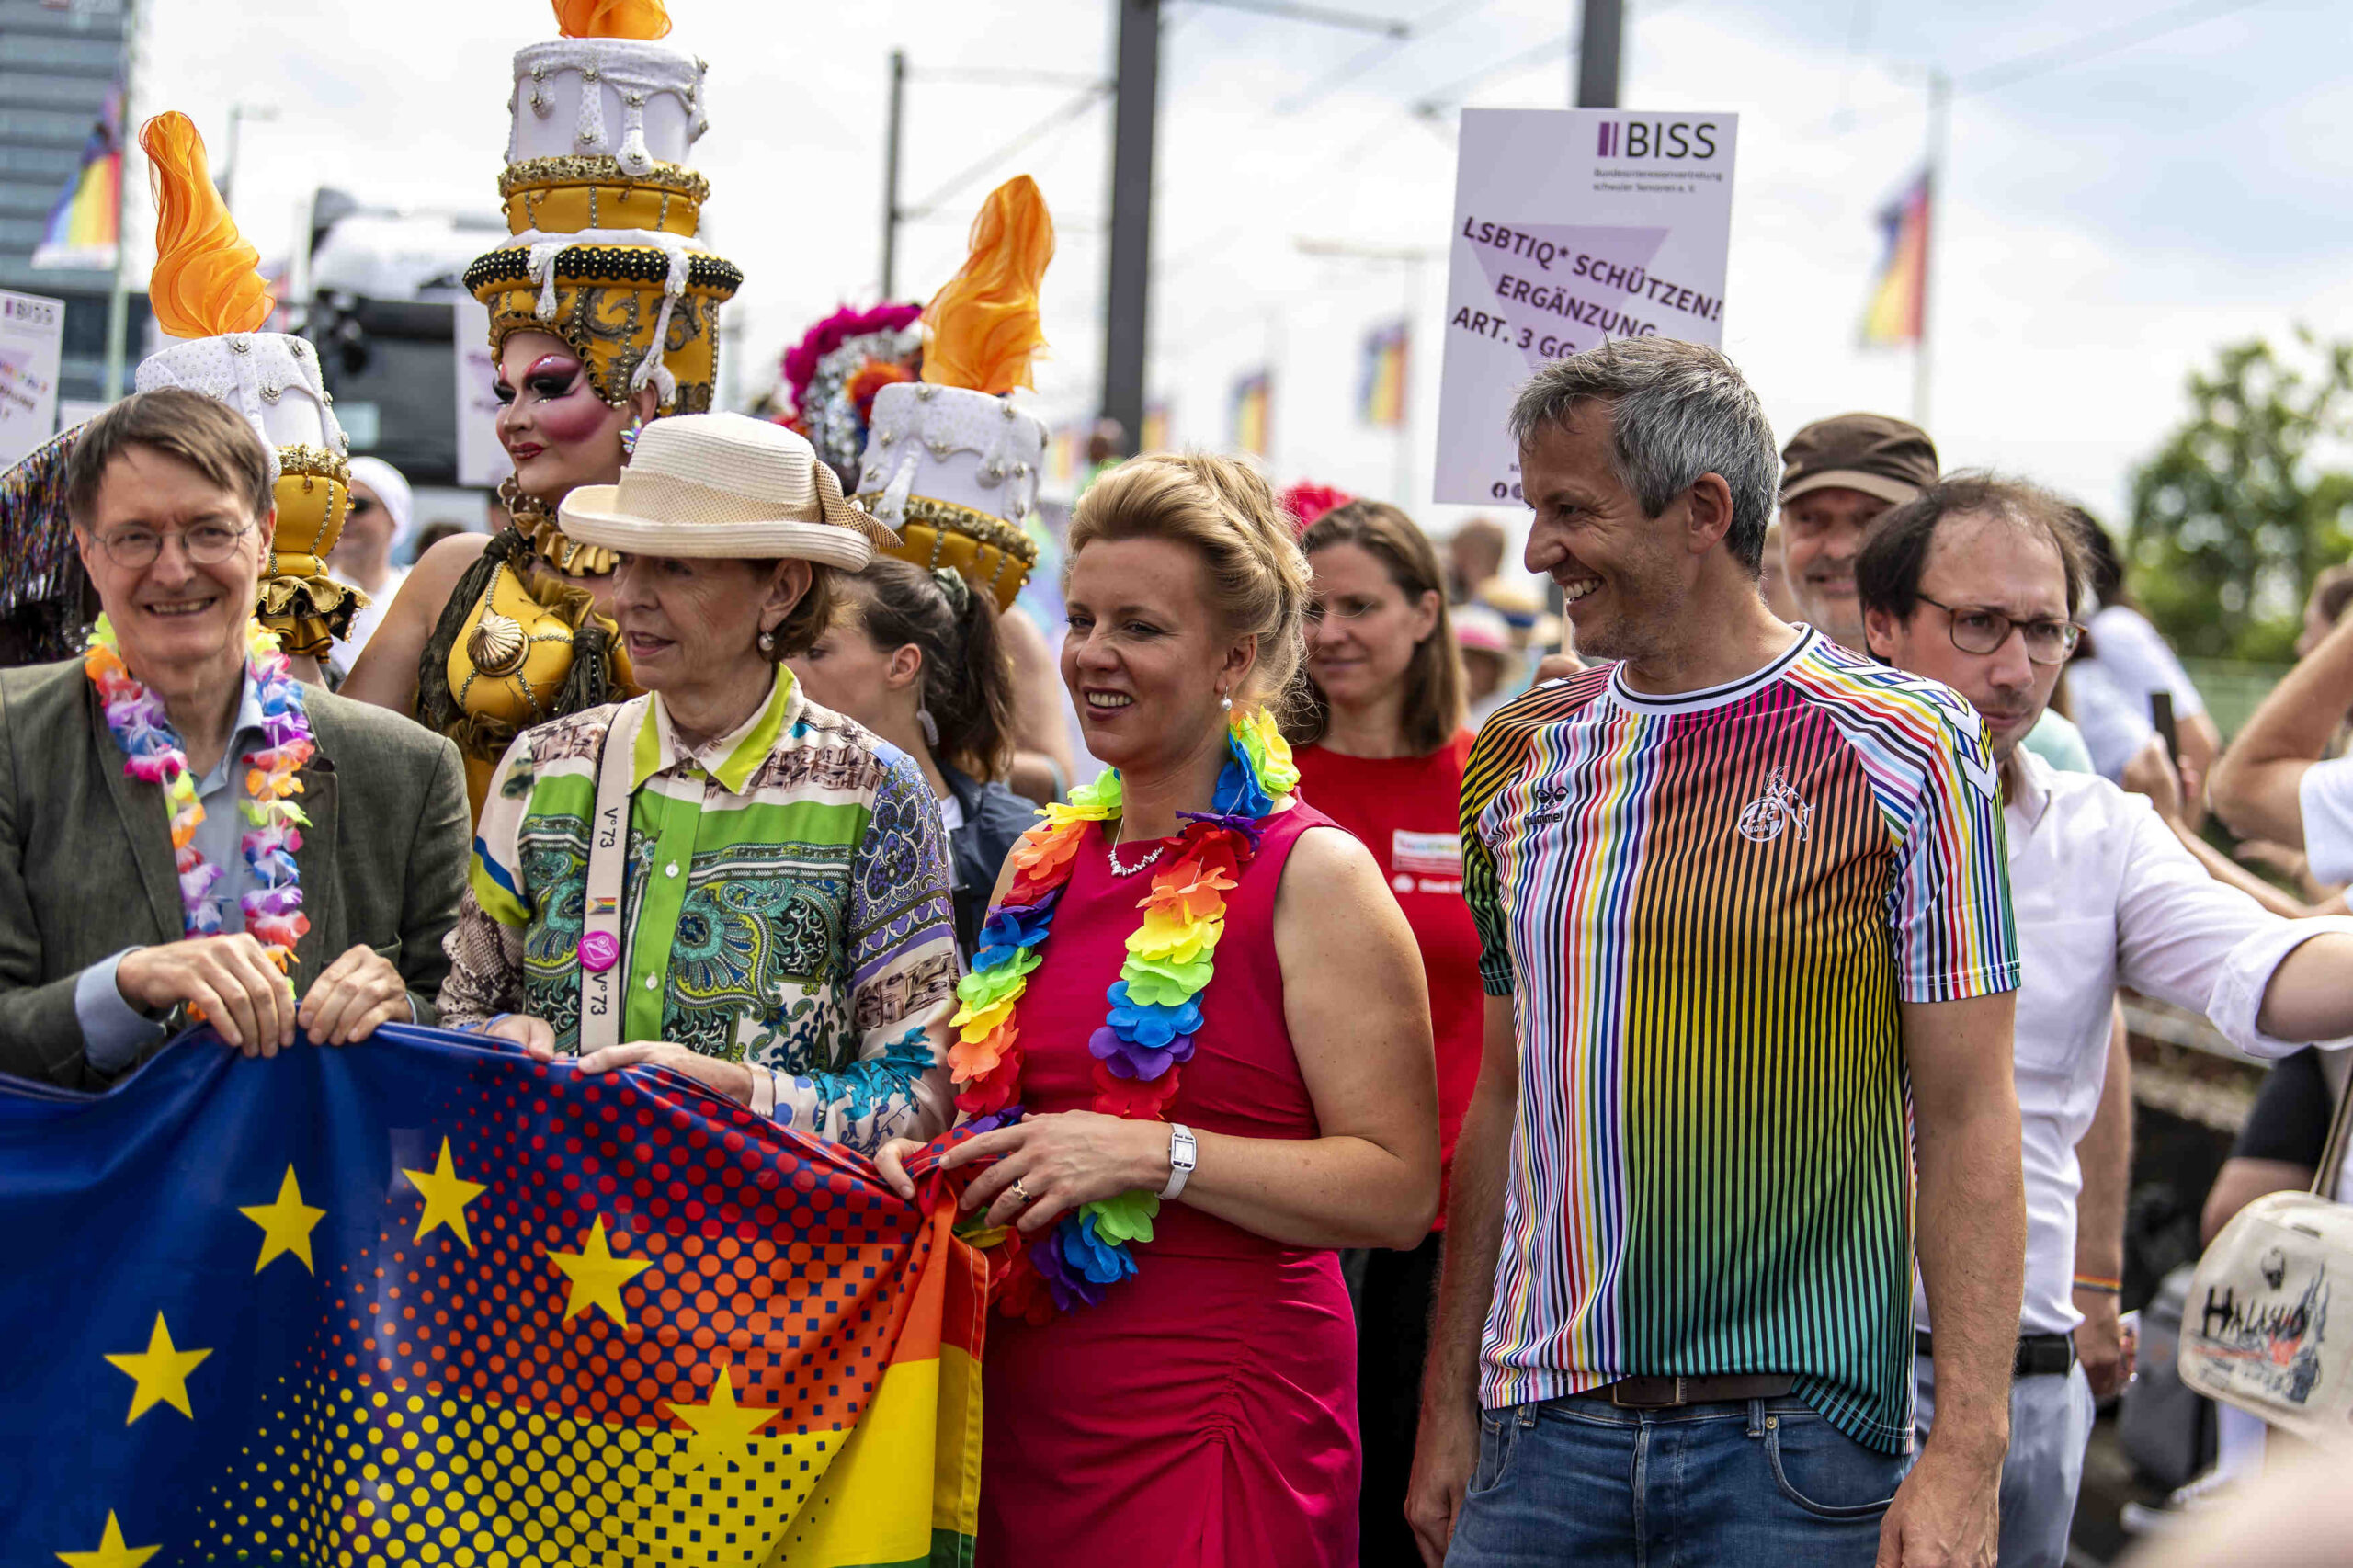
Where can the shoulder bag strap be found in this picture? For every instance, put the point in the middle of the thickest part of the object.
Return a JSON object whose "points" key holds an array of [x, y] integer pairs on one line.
{"points": [[2332, 1153], [601, 949]]}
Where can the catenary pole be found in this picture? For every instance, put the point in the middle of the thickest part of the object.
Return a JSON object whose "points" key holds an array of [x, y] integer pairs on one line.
{"points": [[891, 174], [1598, 48], [1923, 359], [1129, 285]]}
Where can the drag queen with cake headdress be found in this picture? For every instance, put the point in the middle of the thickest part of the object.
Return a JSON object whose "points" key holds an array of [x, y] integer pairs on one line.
{"points": [[962, 507], [207, 293], [604, 314], [206, 290]]}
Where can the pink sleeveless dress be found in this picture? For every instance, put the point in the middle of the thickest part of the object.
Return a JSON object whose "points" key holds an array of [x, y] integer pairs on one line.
{"points": [[1205, 1412]]}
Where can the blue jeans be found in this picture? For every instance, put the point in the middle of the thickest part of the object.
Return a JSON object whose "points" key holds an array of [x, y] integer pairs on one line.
{"points": [[1579, 1481]]}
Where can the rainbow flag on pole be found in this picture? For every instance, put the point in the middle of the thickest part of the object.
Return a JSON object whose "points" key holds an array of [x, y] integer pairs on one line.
{"points": [[423, 1300], [82, 224], [1251, 412], [1381, 390], [1899, 300]]}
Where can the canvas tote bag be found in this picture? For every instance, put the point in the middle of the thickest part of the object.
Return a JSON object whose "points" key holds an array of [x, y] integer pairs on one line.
{"points": [[2264, 1327]]}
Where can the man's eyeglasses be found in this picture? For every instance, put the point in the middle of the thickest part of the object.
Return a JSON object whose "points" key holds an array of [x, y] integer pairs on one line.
{"points": [[1976, 629], [207, 544]]}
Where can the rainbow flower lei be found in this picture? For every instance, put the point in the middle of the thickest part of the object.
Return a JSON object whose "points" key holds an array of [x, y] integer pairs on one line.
{"points": [[153, 753], [1155, 1002]]}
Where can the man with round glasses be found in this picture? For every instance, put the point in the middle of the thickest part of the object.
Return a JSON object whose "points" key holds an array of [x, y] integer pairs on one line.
{"points": [[184, 827], [1975, 584]]}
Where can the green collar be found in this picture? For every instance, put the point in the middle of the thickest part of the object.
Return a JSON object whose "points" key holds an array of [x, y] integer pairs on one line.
{"points": [[744, 749]]}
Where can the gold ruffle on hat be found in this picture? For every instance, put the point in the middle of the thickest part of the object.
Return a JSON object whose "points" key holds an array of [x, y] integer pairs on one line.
{"points": [[602, 251], [206, 291]]}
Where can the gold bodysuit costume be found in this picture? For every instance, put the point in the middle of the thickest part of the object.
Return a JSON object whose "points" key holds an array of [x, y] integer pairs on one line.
{"points": [[518, 644]]}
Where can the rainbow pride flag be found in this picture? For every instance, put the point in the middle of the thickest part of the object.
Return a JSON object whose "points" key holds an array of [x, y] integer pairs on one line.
{"points": [[422, 1301], [1251, 413], [1899, 299], [81, 230], [1380, 387]]}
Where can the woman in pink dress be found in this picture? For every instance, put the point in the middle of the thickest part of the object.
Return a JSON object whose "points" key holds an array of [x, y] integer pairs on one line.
{"points": [[1202, 995]]}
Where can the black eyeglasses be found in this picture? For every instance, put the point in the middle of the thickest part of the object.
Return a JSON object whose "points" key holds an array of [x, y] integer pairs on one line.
{"points": [[1977, 629], [207, 544]]}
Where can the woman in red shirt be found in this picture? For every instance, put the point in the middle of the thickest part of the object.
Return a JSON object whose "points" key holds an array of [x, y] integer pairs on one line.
{"points": [[1381, 752]]}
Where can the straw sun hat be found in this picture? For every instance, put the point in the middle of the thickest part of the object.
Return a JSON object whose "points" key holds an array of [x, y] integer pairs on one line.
{"points": [[725, 487]]}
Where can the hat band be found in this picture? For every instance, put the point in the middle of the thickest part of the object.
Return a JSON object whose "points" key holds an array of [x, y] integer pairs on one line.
{"points": [[662, 497]]}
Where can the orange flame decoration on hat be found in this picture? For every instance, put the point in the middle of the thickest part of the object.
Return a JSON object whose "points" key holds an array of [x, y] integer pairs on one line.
{"points": [[207, 281], [983, 324], [643, 19]]}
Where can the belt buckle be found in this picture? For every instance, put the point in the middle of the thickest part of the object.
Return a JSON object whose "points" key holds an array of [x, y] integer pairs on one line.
{"points": [[1618, 1396]]}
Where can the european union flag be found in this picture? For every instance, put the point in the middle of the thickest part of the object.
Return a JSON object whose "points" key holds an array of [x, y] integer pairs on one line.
{"points": [[423, 1300]]}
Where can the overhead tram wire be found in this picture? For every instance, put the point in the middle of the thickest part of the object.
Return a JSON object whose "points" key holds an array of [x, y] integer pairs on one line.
{"points": [[1070, 111], [2034, 63], [1446, 16]]}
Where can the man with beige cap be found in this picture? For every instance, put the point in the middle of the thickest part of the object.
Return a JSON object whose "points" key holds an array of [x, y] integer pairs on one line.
{"points": [[720, 877], [1838, 476]]}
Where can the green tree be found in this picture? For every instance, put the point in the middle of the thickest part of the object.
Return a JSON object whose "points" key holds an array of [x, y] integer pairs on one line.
{"points": [[2246, 502]]}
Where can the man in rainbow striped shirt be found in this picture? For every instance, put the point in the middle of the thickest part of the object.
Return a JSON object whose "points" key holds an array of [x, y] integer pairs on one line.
{"points": [[1749, 959]]}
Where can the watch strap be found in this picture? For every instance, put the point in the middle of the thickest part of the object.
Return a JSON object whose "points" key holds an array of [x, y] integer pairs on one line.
{"points": [[1183, 1151]]}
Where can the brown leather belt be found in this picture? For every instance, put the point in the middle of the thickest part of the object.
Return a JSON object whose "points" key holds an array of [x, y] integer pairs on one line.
{"points": [[1666, 1393]]}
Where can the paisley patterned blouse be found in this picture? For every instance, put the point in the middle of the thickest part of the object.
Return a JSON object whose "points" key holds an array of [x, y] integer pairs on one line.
{"points": [[785, 902]]}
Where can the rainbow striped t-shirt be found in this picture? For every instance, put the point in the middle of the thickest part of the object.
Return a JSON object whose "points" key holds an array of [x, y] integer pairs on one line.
{"points": [[1706, 909]]}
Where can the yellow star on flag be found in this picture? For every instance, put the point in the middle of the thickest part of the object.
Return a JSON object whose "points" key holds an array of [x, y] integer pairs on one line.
{"points": [[161, 1373], [111, 1551], [286, 1225], [597, 1275], [446, 1197], [723, 1429]]}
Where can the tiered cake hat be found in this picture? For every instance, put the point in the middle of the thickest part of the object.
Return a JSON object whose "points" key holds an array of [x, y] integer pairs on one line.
{"points": [[602, 208], [950, 463], [206, 290]]}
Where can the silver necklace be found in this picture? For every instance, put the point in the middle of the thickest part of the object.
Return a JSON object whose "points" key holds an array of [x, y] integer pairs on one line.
{"points": [[1139, 866]]}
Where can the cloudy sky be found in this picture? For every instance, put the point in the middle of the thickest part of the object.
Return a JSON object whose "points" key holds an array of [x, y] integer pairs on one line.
{"points": [[2130, 182]]}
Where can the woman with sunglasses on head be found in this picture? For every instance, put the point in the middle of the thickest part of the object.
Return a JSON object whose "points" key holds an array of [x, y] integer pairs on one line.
{"points": [[914, 655], [1381, 747], [604, 314]]}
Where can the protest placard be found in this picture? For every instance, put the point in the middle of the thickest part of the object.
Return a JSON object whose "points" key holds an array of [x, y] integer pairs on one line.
{"points": [[1571, 226], [481, 459], [32, 335]]}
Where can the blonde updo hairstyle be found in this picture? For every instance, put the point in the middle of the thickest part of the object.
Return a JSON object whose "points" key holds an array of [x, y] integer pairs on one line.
{"points": [[1226, 511]]}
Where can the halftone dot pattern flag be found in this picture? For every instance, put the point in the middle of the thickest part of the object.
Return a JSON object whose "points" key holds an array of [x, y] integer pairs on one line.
{"points": [[546, 1318]]}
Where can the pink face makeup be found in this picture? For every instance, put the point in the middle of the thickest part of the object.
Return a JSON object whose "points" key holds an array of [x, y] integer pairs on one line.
{"points": [[552, 424], [571, 415]]}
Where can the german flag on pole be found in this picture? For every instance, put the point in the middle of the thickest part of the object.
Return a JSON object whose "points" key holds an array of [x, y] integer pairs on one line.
{"points": [[1899, 299], [422, 1301]]}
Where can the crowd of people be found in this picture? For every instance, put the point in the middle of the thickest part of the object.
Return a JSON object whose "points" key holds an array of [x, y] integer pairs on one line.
{"points": [[1667, 1101]]}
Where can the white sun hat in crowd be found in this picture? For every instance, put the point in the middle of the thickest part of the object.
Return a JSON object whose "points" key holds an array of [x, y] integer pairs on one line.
{"points": [[726, 487]]}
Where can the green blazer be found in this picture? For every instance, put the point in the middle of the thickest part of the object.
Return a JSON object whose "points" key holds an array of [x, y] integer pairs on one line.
{"points": [[86, 871]]}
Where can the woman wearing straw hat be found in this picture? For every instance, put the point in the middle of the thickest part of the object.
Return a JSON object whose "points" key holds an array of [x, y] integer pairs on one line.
{"points": [[720, 877]]}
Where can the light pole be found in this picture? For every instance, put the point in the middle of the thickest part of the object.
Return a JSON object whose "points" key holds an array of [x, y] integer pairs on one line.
{"points": [[230, 163]]}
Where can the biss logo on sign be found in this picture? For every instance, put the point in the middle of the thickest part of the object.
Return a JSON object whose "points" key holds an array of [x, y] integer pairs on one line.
{"points": [[1657, 139]]}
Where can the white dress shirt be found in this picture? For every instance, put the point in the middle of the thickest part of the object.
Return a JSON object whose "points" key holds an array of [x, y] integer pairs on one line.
{"points": [[2106, 896]]}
